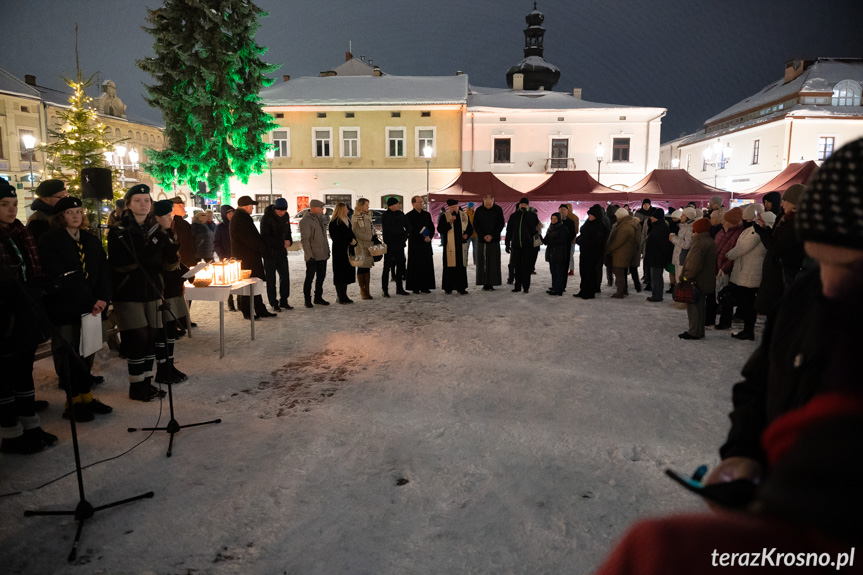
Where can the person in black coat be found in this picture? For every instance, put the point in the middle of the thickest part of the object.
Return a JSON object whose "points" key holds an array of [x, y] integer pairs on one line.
{"points": [[657, 253], [420, 265], [488, 223], [203, 236], [79, 283], [557, 253], [173, 290], [521, 229], [135, 257], [455, 229], [222, 242], [343, 238], [591, 248], [48, 193], [611, 219], [248, 247], [183, 233], [21, 332], [276, 233], [773, 203], [396, 229]]}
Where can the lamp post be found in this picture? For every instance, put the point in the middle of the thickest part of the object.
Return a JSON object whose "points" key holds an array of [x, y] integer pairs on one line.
{"points": [[119, 159], [599, 150], [717, 156], [427, 154], [271, 154], [29, 143], [675, 163]]}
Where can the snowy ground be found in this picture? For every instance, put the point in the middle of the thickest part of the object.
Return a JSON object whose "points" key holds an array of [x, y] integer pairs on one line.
{"points": [[487, 433]]}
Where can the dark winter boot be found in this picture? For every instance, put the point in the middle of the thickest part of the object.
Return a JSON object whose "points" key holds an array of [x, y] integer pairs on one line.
{"points": [[231, 306], [143, 391], [283, 303], [15, 441], [309, 302]]}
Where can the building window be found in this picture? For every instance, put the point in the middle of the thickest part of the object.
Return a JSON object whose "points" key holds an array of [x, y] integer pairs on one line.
{"points": [[349, 114], [425, 114], [825, 147], [396, 115], [281, 140], [756, 150], [280, 115], [350, 139], [620, 150], [846, 93], [425, 137], [396, 142], [502, 149], [322, 114], [323, 138], [25, 109], [117, 133], [688, 161]]}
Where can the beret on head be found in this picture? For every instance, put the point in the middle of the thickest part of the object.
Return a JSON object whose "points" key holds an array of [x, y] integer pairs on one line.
{"points": [[831, 209], [676, 214], [7, 190], [769, 219], [452, 202], [749, 212], [67, 203], [316, 204], [701, 226], [48, 188], [394, 201], [690, 213], [716, 200], [733, 216], [281, 204], [621, 213], [793, 193], [163, 207], [135, 190]]}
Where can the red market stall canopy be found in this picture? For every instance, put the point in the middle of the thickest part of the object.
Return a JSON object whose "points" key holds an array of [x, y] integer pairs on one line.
{"points": [[472, 186], [675, 187], [796, 173], [573, 186]]}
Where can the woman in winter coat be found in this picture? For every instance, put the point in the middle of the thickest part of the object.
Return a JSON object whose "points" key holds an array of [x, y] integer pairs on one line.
{"points": [[79, 283], [748, 257], [172, 280], [772, 283], [364, 232], [135, 257], [635, 260], [591, 247], [557, 254], [726, 239], [343, 238], [657, 252], [203, 236], [700, 270], [682, 240], [222, 242], [611, 218], [622, 245], [20, 331]]}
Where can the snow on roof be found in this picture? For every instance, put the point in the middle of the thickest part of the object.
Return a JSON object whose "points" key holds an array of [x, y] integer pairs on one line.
{"points": [[529, 100], [12, 85], [353, 67], [367, 91], [821, 76]]}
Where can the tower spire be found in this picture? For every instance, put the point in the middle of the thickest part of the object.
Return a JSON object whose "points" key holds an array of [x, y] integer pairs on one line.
{"points": [[538, 74]]}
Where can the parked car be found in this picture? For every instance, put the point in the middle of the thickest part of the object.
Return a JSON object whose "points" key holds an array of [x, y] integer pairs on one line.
{"points": [[295, 219]]}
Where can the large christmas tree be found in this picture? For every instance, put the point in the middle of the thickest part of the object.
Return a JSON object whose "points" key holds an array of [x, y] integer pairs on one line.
{"points": [[208, 72]]}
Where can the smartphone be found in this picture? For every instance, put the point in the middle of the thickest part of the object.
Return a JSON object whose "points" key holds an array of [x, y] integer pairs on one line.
{"points": [[733, 494]]}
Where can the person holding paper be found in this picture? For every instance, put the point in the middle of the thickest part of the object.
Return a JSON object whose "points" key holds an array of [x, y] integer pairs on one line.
{"points": [[78, 287], [420, 268]]}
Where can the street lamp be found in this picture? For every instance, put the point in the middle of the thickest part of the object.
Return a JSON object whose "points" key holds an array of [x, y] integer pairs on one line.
{"points": [[29, 143], [271, 154], [119, 157], [599, 150], [675, 163], [717, 156], [427, 154]]}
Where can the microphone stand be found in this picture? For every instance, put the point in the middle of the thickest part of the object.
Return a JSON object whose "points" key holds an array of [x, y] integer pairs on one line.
{"points": [[84, 510], [173, 427]]}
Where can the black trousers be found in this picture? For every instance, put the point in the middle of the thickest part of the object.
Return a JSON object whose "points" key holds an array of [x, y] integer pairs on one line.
{"points": [[524, 260], [277, 265], [394, 262], [17, 393], [317, 271]]}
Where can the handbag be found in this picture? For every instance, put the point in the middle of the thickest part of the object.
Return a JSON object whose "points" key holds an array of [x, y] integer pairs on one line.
{"points": [[684, 292], [354, 258], [537, 240], [377, 249], [725, 297]]}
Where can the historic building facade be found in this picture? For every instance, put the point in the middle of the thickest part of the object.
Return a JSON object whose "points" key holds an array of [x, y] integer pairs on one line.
{"points": [[813, 109]]}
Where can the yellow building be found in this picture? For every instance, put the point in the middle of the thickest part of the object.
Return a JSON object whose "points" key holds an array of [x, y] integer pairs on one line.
{"points": [[345, 137], [20, 116]]}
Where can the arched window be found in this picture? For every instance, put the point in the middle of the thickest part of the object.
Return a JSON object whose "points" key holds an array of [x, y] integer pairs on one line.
{"points": [[846, 93], [117, 133], [152, 139], [159, 140], [137, 135]]}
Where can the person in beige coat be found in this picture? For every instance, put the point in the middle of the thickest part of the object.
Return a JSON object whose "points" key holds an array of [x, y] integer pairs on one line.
{"points": [[622, 246], [748, 255], [364, 232]]}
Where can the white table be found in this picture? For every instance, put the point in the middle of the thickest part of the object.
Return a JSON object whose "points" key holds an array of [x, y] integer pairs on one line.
{"points": [[249, 287]]}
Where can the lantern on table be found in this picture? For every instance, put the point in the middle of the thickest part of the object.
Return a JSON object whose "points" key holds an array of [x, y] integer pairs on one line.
{"points": [[226, 272]]}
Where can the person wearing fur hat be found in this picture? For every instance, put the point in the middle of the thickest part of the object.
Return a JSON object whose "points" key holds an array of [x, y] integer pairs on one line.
{"points": [[276, 233], [48, 193], [812, 341], [79, 283], [135, 257], [622, 244], [591, 247], [222, 242], [682, 240], [521, 228], [748, 257], [20, 282], [726, 239], [699, 270], [454, 228]]}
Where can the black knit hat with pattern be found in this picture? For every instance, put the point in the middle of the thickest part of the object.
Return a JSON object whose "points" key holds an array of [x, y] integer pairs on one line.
{"points": [[831, 209]]}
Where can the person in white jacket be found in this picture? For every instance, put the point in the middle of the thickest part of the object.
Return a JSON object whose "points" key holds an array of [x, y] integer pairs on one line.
{"points": [[682, 240], [748, 255]]}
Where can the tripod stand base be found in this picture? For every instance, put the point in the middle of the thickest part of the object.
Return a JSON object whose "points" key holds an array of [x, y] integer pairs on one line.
{"points": [[83, 512], [173, 428]]}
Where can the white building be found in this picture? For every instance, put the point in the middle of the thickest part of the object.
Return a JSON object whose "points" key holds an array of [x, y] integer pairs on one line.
{"points": [[811, 111]]}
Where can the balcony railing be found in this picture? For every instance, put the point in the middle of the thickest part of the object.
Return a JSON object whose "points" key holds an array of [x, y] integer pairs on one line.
{"points": [[558, 164]]}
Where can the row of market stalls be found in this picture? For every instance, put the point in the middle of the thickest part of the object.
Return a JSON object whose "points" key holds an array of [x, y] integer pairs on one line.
{"points": [[665, 188]]}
